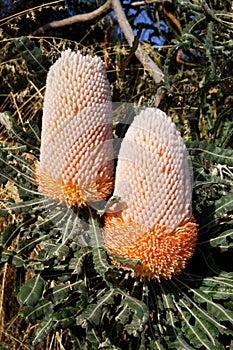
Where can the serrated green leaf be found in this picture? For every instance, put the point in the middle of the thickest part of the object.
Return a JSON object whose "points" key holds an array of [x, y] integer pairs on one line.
{"points": [[32, 54], [43, 329], [215, 309], [165, 303], [139, 313], [194, 334], [206, 327], [18, 261], [220, 312], [65, 317], [32, 313], [155, 345], [60, 251], [11, 258], [57, 294], [92, 314], [93, 338], [31, 291], [216, 288], [100, 260], [76, 263], [179, 344], [25, 206], [222, 239], [222, 278], [124, 314], [222, 207], [211, 152]]}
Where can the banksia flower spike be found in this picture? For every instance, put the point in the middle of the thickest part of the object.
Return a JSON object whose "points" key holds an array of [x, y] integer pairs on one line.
{"points": [[76, 156], [152, 222]]}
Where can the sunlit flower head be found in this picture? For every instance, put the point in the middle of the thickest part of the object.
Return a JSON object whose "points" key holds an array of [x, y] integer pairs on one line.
{"points": [[76, 142], [152, 221]]}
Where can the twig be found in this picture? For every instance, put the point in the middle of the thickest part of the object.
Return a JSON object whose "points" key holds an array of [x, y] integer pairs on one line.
{"points": [[141, 55], [145, 2], [74, 19]]}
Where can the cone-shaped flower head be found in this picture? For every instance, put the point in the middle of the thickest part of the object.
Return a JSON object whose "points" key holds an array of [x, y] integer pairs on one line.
{"points": [[152, 222], [76, 142]]}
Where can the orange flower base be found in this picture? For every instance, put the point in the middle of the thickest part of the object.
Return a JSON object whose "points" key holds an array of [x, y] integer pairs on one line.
{"points": [[160, 251]]}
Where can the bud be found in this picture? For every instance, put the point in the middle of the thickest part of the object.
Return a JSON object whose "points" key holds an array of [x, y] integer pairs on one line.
{"points": [[152, 222], [76, 156]]}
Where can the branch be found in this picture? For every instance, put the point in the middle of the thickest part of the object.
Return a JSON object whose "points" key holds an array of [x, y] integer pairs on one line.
{"points": [[74, 19], [145, 2], [141, 55]]}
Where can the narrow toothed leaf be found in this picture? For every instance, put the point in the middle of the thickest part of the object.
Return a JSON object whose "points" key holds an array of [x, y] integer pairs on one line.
{"points": [[31, 291]]}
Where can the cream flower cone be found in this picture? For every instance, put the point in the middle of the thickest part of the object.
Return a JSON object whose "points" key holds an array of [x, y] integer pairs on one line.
{"points": [[76, 156], [152, 222]]}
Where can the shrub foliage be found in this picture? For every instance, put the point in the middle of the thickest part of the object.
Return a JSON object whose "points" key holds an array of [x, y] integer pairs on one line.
{"points": [[57, 281]]}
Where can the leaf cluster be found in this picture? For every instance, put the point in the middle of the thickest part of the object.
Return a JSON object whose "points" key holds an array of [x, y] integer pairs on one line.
{"points": [[65, 279], [63, 285]]}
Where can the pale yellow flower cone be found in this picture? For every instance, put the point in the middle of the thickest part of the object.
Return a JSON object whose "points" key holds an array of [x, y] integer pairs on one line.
{"points": [[76, 158], [152, 222]]}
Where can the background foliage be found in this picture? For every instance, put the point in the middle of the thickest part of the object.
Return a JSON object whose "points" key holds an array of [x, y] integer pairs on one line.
{"points": [[58, 288]]}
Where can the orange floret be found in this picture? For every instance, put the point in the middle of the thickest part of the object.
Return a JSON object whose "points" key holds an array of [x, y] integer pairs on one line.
{"points": [[161, 252]]}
